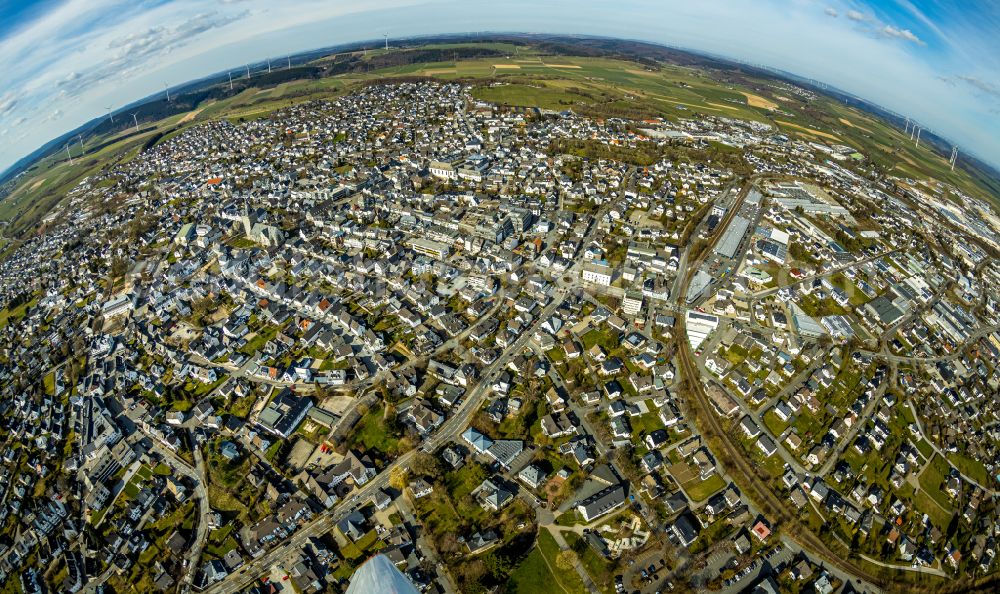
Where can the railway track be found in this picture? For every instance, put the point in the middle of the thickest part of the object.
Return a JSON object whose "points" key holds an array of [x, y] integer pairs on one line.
{"points": [[710, 426]]}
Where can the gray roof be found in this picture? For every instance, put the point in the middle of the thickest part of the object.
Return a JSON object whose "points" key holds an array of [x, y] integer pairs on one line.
{"points": [[731, 239], [603, 501], [505, 450]]}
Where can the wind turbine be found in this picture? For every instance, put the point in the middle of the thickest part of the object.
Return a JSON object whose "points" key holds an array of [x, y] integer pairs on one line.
{"points": [[68, 154], [289, 63], [248, 72], [166, 88], [386, 42], [136, 120], [230, 81], [79, 138], [111, 116], [269, 65]]}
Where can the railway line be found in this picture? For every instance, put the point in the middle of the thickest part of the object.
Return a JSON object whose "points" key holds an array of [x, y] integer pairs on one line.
{"points": [[709, 425]]}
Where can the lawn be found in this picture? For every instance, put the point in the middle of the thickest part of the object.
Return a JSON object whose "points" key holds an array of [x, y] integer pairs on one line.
{"points": [[538, 571], [225, 473], [453, 509], [272, 450], [925, 448], [556, 354], [773, 464], [373, 433], [924, 503], [607, 339], [700, 490], [529, 96], [132, 489], [646, 423], [366, 544], [570, 518], [775, 425], [973, 469], [15, 314], [715, 532], [259, 340], [932, 481], [97, 516], [598, 568], [221, 541]]}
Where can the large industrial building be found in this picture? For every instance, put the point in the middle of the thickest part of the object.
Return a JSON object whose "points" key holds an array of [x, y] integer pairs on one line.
{"points": [[699, 326], [812, 200], [731, 239]]}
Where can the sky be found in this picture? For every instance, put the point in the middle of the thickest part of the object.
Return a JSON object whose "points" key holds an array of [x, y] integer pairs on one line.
{"points": [[67, 61]]}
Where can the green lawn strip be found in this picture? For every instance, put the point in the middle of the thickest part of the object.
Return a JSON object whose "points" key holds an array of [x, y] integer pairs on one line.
{"points": [[924, 503], [538, 572], [97, 516], [932, 481], [598, 568], [925, 448], [700, 490], [371, 432], [971, 468]]}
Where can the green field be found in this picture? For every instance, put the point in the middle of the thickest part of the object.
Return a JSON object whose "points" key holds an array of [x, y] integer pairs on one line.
{"points": [[973, 469], [932, 479], [373, 433], [598, 568], [538, 572], [700, 490]]}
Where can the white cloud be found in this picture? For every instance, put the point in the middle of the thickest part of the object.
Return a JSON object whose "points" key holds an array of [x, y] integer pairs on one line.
{"points": [[890, 31], [7, 103], [924, 19], [831, 11], [856, 16], [982, 86]]}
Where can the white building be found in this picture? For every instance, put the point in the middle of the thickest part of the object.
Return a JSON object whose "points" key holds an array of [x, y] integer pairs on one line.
{"points": [[442, 170], [597, 273], [699, 326], [632, 303]]}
